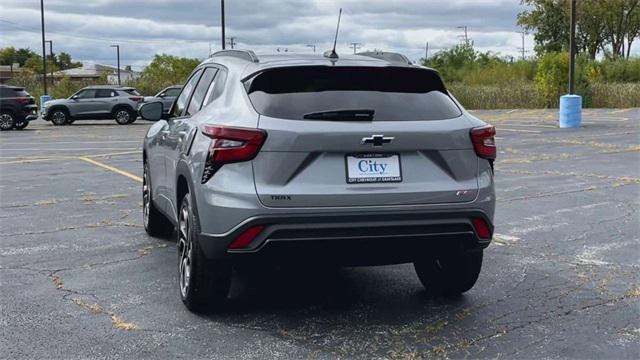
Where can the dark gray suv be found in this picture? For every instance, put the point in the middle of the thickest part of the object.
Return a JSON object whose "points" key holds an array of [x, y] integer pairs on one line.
{"points": [[293, 158], [95, 102]]}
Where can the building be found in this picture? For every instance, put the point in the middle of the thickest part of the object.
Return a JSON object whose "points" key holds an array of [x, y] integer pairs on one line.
{"points": [[7, 72], [90, 72]]}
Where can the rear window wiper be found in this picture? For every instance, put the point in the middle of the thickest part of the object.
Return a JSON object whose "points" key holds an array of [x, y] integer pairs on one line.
{"points": [[342, 115]]}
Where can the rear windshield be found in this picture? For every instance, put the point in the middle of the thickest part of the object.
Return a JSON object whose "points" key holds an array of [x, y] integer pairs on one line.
{"points": [[394, 93]]}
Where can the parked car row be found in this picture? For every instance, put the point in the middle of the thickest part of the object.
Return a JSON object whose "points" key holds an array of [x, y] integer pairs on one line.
{"points": [[121, 103]]}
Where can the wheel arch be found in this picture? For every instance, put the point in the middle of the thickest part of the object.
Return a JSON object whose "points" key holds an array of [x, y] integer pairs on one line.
{"points": [[184, 184]]}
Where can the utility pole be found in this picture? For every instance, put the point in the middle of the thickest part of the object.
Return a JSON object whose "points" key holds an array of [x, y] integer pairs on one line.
{"points": [[118, 54], [44, 51], [232, 41], [572, 46], [426, 51], [224, 39], [355, 46], [312, 46], [523, 49], [466, 37], [52, 58]]}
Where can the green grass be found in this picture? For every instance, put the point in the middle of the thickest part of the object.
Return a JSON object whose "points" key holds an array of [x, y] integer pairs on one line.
{"points": [[523, 95]]}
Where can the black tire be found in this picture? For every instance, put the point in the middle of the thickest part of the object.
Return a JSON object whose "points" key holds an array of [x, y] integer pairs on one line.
{"points": [[7, 121], [155, 223], [59, 116], [204, 284], [451, 273], [123, 116], [21, 125], [70, 121]]}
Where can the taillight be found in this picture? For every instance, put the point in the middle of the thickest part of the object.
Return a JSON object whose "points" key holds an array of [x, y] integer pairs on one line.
{"points": [[484, 141], [23, 100], [246, 237], [136, 98], [230, 145], [482, 228]]}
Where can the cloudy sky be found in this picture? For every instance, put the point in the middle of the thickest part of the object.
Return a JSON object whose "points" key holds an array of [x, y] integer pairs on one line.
{"points": [[86, 28]]}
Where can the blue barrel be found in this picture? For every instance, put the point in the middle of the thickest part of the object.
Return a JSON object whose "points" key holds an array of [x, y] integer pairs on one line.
{"points": [[570, 111], [44, 99]]}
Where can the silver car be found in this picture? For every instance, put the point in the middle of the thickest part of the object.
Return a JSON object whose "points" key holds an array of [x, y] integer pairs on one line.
{"points": [[166, 96], [310, 159], [95, 102]]}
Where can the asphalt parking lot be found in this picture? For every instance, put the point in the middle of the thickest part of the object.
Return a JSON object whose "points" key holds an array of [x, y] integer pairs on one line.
{"points": [[80, 278]]}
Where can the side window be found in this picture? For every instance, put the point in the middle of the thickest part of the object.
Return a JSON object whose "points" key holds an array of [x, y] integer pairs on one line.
{"points": [[172, 92], [87, 94], [201, 90], [215, 90], [185, 95], [104, 93]]}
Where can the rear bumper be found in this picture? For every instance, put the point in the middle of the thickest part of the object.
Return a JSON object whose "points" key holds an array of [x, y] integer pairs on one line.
{"points": [[357, 239]]}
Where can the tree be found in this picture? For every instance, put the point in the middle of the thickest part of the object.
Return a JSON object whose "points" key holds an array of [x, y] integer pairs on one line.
{"points": [[164, 70], [602, 25], [64, 61], [549, 20], [11, 55]]}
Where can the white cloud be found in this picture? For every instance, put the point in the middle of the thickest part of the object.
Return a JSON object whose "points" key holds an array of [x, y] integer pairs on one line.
{"points": [[86, 29]]}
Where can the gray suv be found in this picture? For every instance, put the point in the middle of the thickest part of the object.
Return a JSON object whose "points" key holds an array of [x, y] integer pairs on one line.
{"points": [[166, 96], [310, 159], [95, 102]]}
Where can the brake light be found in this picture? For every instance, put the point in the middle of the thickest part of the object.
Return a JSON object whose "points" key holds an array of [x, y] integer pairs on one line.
{"points": [[23, 100], [230, 145], [136, 98], [484, 141], [482, 228], [246, 237]]}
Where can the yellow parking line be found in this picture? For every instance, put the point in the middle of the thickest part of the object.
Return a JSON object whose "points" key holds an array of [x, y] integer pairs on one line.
{"points": [[115, 153], [27, 161], [111, 168]]}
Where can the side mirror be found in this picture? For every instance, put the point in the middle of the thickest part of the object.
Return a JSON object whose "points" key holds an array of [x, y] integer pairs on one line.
{"points": [[162, 95], [74, 97], [151, 111]]}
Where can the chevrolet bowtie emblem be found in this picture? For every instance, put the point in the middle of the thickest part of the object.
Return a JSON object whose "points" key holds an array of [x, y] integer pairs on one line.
{"points": [[377, 140]]}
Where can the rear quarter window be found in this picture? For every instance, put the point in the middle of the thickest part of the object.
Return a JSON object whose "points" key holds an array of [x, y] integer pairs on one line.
{"points": [[394, 93]]}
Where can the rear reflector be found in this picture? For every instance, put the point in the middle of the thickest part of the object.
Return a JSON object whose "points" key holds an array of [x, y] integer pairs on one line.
{"points": [[481, 228], [484, 142], [246, 237]]}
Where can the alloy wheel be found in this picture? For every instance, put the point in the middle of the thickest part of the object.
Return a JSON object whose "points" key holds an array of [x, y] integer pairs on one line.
{"points": [[146, 198], [6, 121], [186, 250], [122, 116], [59, 118]]}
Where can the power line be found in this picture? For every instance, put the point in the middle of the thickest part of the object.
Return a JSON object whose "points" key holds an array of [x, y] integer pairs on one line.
{"points": [[95, 38]]}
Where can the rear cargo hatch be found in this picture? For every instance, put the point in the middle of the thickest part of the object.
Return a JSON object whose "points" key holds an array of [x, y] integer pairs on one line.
{"points": [[325, 149]]}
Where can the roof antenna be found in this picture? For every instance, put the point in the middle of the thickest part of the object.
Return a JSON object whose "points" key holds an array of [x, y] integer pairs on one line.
{"points": [[332, 54]]}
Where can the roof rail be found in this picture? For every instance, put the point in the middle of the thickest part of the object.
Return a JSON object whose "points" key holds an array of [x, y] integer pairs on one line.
{"points": [[240, 54], [394, 58]]}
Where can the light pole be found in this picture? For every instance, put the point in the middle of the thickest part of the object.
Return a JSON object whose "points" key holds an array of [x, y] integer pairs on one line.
{"points": [[118, 54], [572, 46], [51, 56], [44, 51], [312, 46], [224, 38]]}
